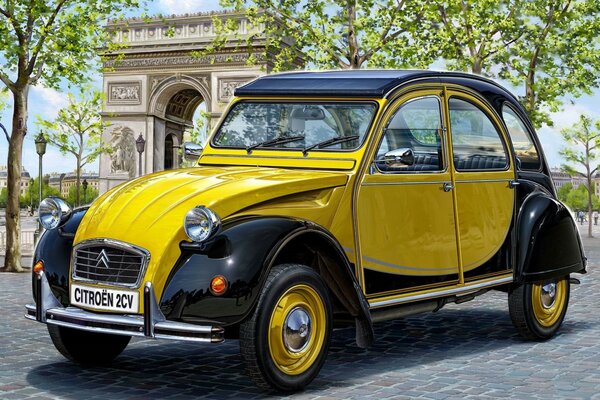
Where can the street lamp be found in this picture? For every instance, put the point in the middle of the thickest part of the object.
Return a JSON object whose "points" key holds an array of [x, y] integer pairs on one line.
{"points": [[40, 148], [85, 185], [140, 144]]}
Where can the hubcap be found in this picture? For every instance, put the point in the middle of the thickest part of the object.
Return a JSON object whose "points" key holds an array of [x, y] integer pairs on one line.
{"points": [[297, 329], [548, 295], [549, 300]]}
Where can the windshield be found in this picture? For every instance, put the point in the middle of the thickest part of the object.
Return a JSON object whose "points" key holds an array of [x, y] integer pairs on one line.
{"points": [[298, 125]]}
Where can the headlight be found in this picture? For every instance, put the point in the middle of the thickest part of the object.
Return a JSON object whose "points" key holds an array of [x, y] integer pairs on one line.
{"points": [[201, 223], [53, 212]]}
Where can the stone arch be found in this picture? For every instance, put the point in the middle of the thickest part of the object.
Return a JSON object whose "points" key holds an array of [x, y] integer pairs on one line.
{"points": [[165, 90], [173, 102]]}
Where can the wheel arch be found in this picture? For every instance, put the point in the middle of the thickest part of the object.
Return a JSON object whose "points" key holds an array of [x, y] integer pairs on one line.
{"points": [[548, 241]]}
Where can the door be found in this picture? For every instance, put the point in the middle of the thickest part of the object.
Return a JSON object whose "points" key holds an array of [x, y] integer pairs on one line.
{"points": [[405, 207], [483, 172]]}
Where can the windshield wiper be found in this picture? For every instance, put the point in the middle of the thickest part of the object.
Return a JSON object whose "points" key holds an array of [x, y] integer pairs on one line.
{"points": [[273, 142], [330, 142]]}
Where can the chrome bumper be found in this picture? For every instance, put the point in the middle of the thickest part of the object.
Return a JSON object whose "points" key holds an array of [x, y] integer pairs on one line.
{"points": [[152, 324]]}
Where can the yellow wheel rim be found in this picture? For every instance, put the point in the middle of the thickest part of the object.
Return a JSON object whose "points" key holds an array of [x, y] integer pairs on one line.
{"points": [[549, 299], [297, 329]]}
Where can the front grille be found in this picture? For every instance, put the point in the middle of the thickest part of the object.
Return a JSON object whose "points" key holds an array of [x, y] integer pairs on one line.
{"points": [[110, 262]]}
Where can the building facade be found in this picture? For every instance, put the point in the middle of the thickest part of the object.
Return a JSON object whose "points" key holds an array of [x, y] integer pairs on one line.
{"points": [[25, 178], [64, 182]]}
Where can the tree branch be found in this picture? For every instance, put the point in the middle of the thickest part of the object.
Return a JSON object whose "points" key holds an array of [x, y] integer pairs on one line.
{"points": [[5, 133], [43, 36]]}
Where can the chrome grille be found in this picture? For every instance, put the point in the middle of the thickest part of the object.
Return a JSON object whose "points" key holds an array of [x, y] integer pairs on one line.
{"points": [[110, 262]]}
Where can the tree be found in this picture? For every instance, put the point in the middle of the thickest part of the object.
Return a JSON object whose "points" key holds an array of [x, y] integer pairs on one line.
{"points": [[43, 42], [330, 33], [563, 192], [77, 130], [89, 195], [583, 139], [474, 34], [33, 190], [558, 54]]}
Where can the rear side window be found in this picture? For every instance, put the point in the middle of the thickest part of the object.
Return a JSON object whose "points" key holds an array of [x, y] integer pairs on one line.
{"points": [[476, 143], [525, 150]]}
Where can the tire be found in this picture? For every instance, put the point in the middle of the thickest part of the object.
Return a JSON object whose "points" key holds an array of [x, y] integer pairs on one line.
{"points": [[87, 348], [536, 310], [292, 295]]}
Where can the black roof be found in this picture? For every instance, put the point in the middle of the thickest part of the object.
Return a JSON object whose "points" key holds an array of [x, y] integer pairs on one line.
{"points": [[348, 83]]}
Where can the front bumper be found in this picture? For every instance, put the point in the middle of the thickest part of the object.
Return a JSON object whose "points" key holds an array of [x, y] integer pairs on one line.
{"points": [[152, 324]]}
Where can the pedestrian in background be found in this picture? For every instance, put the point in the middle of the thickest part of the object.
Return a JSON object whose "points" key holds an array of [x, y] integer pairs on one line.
{"points": [[595, 215]]}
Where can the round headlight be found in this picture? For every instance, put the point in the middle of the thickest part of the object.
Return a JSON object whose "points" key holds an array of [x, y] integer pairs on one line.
{"points": [[201, 223], [53, 212]]}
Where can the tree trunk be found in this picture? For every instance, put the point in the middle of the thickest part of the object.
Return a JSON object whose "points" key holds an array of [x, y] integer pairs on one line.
{"points": [[12, 260], [77, 181], [477, 66], [590, 206]]}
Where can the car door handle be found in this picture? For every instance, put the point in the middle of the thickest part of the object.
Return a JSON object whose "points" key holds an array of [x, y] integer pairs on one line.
{"points": [[447, 186]]}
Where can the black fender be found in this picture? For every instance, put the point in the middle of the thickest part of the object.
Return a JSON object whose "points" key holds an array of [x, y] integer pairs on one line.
{"points": [[243, 252], [54, 249], [548, 242]]}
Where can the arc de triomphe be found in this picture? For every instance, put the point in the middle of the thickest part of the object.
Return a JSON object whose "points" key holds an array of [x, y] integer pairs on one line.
{"points": [[154, 84]]}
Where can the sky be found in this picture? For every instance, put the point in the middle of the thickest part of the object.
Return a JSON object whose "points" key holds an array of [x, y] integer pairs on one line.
{"points": [[45, 103]]}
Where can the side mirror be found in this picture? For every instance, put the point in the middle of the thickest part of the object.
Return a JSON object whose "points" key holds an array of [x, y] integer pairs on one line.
{"points": [[399, 157], [191, 151]]}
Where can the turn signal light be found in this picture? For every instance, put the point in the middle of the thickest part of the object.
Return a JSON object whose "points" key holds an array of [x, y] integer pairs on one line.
{"points": [[218, 285], [38, 267]]}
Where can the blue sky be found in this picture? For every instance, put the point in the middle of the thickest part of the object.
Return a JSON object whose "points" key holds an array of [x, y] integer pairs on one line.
{"points": [[45, 102]]}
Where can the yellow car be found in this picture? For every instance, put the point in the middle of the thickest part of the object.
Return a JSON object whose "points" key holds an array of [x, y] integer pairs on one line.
{"points": [[322, 199]]}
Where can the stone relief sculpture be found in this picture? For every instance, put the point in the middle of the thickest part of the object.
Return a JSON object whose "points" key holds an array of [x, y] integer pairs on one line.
{"points": [[227, 87], [122, 158], [124, 93]]}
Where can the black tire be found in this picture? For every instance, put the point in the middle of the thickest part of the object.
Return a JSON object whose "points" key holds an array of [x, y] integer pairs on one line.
{"points": [[89, 348], [258, 340], [524, 306]]}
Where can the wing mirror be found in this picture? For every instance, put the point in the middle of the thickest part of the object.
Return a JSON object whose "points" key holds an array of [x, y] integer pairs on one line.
{"points": [[191, 151], [399, 157]]}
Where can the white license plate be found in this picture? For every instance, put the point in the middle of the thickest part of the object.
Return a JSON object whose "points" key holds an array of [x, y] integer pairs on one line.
{"points": [[124, 301]]}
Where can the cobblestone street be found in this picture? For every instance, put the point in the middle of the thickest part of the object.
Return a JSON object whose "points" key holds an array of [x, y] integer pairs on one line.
{"points": [[463, 351]]}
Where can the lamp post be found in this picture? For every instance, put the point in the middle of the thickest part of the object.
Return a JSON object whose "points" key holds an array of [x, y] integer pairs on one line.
{"points": [[140, 144], [84, 185], [31, 195], [40, 148]]}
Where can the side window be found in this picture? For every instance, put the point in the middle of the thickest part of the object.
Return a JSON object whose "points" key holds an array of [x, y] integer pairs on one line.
{"points": [[412, 141], [476, 143], [521, 139]]}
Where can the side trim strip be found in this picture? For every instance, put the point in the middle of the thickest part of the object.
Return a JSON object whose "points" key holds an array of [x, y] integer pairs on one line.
{"points": [[441, 293], [401, 183]]}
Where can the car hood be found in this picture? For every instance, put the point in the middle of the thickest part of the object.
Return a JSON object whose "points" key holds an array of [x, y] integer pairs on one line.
{"points": [[149, 211]]}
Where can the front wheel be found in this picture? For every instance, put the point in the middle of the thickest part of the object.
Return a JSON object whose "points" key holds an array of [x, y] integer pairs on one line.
{"points": [[538, 309], [88, 348], [284, 343]]}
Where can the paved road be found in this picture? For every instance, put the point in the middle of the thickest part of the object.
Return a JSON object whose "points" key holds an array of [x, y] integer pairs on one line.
{"points": [[463, 351]]}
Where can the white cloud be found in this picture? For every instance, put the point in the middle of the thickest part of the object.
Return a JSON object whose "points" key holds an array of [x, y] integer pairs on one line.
{"points": [[46, 102]]}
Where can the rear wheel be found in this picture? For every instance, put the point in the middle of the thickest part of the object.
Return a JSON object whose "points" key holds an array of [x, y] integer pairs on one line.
{"points": [[87, 347], [538, 309], [285, 341]]}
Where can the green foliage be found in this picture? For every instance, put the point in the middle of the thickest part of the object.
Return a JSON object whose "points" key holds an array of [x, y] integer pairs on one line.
{"points": [[328, 33], [51, 41], [563, 191], [77, 130], [577, 199], [473, 35], [557, 54], [86, 197], [32, 193]]}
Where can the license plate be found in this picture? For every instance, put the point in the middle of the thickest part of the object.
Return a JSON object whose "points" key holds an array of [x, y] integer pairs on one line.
{"points": [[123, 301]]}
